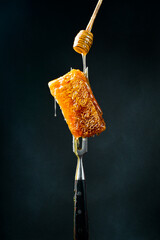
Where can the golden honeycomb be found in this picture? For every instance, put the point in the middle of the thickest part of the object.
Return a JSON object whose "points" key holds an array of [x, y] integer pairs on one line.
{"points": [[78, 104]]}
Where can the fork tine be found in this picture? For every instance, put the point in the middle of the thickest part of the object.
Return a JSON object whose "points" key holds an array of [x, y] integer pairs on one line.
{"points": [[84, 147]]}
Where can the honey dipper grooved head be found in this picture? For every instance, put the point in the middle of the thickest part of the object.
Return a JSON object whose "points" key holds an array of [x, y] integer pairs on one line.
{"points": [[83, 42]]}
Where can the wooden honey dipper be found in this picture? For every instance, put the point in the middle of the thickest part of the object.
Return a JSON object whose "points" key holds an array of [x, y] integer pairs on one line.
{"points": [[84, 39]]}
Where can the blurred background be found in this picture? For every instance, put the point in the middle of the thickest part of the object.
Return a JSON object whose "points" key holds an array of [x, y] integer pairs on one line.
{"points": [[122, 165]]}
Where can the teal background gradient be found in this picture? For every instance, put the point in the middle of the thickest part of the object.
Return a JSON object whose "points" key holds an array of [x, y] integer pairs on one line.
{"points": [[122, 165]]}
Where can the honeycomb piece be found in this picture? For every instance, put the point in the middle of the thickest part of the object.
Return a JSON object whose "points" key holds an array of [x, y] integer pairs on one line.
{"points": [[78, 104]]}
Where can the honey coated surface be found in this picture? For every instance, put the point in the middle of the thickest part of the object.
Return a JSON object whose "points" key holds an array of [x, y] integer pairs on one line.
{"points": [[78, 104]]}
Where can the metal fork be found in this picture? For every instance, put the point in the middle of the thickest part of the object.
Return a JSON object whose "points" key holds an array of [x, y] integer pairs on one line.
{"points": [[80, 199]]}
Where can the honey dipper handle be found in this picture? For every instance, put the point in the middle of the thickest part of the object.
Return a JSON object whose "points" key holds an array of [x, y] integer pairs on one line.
{"points": [[90, 24]]}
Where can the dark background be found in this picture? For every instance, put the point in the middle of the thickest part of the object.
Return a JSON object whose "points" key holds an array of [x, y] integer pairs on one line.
{"points": [[122, 165]]}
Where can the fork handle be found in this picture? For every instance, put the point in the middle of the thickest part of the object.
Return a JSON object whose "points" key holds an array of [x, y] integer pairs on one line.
{"points": [[80, 211]]}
